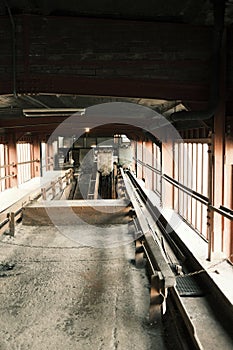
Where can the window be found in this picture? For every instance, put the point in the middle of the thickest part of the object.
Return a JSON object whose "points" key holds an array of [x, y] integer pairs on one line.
{"points": [[191, 170], [24, 162]]}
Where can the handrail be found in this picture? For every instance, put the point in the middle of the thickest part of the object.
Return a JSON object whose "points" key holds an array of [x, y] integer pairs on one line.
{"points": [[155, 170], [225, 212], [16, 208], [28, 162], [7, 177], [7, 165], [21, 163], [186, 189]]}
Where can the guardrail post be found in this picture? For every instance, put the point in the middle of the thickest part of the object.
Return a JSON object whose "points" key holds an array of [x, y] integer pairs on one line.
{"points": [[53, 189], [60, 183], [157, 298], [43, 193], [12, 224], [67, 179], [71, 174], [139, 254]]}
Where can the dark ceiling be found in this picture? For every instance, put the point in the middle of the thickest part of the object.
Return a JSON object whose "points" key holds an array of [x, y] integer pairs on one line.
{"points": [[182, 11], [194, 12], [170, 11]]}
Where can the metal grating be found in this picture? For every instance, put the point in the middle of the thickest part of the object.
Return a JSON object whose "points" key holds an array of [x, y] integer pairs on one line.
{"points": [[188, 286]]}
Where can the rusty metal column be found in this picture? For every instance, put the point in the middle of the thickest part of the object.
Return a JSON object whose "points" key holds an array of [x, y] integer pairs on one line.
{"points": [[139, 254], [231, 225], [210, 213], [219, 154], [167, 168], [12, 160], [157, 297], [148, 153], [139, 157], [36, 155]]}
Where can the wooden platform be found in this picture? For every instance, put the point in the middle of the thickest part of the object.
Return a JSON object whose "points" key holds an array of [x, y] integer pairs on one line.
{"points": [[73, 212]]}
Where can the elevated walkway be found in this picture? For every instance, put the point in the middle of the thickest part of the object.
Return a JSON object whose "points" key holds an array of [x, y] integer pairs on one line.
{"points": [[27, 189], [13, 199]]}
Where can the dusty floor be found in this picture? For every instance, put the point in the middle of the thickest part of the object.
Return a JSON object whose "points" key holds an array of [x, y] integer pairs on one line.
{"points": [[58, 294]]}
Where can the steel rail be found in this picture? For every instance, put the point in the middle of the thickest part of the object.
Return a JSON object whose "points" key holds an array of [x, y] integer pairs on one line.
{"points": [[6, 165], [166, 296], [152, 243], [7, 177], [156, 216], [225, 212]]}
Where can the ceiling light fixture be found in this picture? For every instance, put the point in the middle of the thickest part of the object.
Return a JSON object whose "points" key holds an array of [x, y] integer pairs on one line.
{"points": [[52, 112]]}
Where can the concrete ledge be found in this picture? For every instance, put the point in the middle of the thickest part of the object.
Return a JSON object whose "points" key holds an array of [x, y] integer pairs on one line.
{"points": [[74, 212]]}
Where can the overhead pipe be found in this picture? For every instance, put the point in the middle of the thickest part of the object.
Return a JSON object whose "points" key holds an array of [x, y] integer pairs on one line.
{"points": [[13, 47], [218, 12]]}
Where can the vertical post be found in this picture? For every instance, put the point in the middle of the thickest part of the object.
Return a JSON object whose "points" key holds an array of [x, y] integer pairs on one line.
{"points": [[156, 298], [231, 224], [35, 156], [140, 158], [43, 193], [139, 254], [133, 163], [53, 189], [159, 157], [60, 184], [12, 224], [167, 168], [67, 179], [149, 160], [218, 178], [12, 160], [50, 156], [219, 155], [114, 177], [210, 196]]}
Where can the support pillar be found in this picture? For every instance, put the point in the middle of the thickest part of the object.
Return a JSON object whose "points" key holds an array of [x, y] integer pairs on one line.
{"points": [[218, 195], [167, 168], [139, 254], [12, 160], [36, 155], [139, 157], [219, 156], [49, 156], [148, 159], [157, 297]]}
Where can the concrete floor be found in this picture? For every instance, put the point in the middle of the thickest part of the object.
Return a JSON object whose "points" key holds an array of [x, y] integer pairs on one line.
{"points": [[56, 293]]}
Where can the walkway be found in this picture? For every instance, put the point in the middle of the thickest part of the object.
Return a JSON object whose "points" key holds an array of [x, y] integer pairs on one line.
{"points": [[61, 294]]}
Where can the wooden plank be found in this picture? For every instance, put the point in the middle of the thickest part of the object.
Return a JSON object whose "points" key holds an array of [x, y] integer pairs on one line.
{"points": [[76, 212]]}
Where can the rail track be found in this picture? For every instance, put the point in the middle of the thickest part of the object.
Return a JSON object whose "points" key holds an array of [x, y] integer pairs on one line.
{"points": [[183, 301], [181, 295]]}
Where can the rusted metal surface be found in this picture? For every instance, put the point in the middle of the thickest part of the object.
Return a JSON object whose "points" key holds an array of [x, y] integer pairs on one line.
{"points": [[157, 297], [149, 246]]}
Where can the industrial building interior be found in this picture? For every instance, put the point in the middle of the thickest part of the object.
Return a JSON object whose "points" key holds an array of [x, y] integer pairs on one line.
{"points": [[116, 174]]}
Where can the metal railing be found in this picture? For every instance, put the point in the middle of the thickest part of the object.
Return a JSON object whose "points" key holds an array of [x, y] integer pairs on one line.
{"points": [[224, 211], [9, 217]]}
